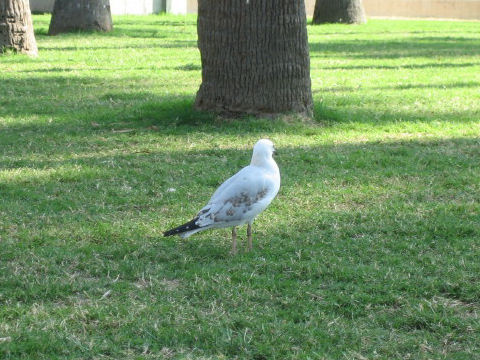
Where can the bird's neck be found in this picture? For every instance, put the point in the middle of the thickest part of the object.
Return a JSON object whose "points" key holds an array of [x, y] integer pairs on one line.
{"points": [[264, 162]]}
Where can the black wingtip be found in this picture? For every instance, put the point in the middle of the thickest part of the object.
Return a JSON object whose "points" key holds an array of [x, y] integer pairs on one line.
{"points": [[189, 226]]}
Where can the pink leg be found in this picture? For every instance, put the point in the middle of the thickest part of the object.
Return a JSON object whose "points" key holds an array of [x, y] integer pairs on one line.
{"points": [[249, 236], [234, 240]]}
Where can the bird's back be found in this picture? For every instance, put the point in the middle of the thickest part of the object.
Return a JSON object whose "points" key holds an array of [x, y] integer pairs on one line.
{"points": [[240, 198]]}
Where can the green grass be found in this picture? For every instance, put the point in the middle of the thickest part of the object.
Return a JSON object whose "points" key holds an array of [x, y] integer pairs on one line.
{"points": [[370, 251]]}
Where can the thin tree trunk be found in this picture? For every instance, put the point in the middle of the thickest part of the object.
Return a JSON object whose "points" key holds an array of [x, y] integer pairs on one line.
{"points": [[83, 15], [255, 57], [339, 11], [16, 28]]}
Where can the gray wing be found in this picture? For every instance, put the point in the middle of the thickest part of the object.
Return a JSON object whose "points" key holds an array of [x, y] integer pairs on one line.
{"points": [[239, 199], [228, 182]]}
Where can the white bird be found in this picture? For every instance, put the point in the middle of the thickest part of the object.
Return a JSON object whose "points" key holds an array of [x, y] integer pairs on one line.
{"points": [[239, 199]]}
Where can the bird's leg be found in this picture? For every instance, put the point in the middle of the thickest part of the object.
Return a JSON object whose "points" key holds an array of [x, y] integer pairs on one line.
{"points": [[249, 236], [234, 240]]}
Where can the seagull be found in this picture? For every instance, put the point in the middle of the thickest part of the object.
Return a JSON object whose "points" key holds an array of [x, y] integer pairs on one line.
{"points": [[239, 199]]}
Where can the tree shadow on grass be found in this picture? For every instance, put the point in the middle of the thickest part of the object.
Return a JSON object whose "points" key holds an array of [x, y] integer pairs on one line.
{"points": [[175, 116], [334, 32], [459, 84], [187, 67], [391, 49], [122, 29], [172, 45], [79, 107], [124, 33], [161, 20], [398, 67]]}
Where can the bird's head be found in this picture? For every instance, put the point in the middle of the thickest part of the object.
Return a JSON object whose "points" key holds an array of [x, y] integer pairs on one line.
{"points": [[263, 150]]}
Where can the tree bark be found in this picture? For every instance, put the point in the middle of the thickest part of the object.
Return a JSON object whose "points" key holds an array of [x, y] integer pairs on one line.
{"points": [[16, 28], [339, 11], [80, 15], [255, 57]]}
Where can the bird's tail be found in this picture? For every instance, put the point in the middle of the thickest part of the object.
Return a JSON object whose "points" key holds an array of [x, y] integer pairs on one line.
{"points": [[184, 230]]}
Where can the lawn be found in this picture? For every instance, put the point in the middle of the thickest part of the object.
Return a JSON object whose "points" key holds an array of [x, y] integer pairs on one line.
{"points": [[370, 251]]}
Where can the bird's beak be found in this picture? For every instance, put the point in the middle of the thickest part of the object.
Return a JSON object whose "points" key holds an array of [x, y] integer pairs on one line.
{"points": [[274, 152]]}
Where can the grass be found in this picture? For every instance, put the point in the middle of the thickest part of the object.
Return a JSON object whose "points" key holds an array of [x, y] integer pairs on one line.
{"points": [[370, 250]]}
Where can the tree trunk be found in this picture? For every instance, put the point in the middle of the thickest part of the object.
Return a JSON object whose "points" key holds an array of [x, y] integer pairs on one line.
{"points": [[339, 11], [16, 29], [80, 15], [255, 57]]}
